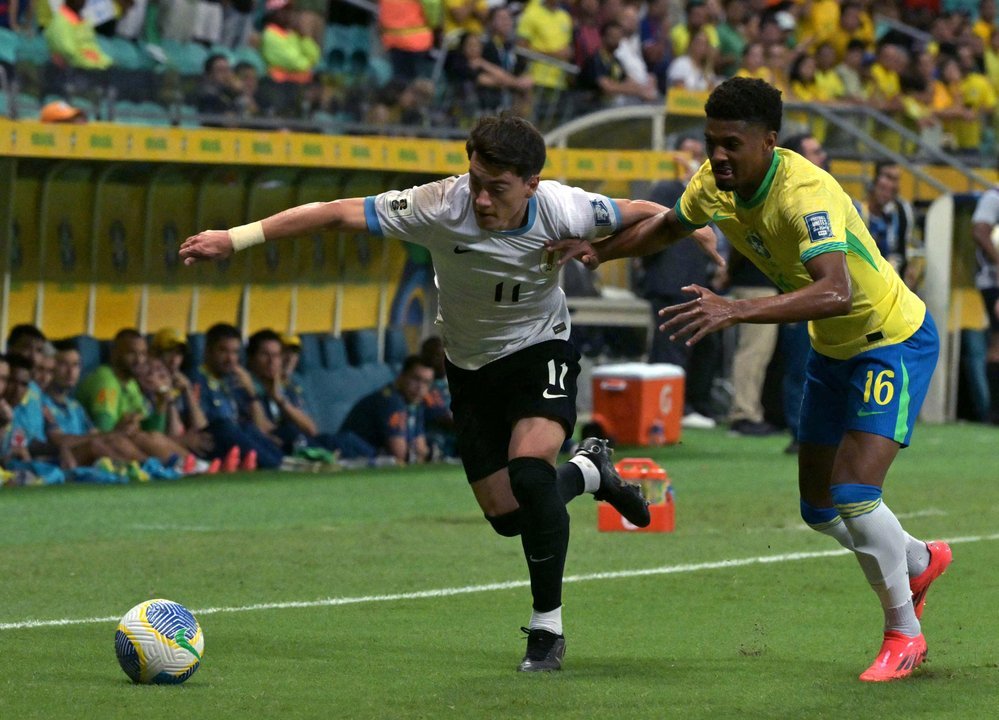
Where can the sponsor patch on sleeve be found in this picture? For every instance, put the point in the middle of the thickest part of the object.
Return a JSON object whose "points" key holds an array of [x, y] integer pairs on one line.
{"points": [[819, 226], [601, 213], [401, 204]]}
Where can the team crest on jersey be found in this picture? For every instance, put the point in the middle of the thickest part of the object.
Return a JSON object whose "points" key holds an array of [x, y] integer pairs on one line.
{"points": [[756, 242], [549, 261], [401, 205], [819, 226], [601, 213]]}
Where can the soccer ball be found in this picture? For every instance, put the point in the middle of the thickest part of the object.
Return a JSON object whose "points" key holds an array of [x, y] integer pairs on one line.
{"points": [[159, 642]]}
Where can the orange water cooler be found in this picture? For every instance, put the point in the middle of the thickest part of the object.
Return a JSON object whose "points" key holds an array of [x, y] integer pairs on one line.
{"points": [[657, 490], [639, 403]]}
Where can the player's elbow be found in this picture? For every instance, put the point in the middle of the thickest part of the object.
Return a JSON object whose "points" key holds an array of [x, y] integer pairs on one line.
{"points": [[839, 301]]}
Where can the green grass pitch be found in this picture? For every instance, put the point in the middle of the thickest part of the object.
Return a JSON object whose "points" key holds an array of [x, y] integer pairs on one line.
{"points": [[383, 594]]}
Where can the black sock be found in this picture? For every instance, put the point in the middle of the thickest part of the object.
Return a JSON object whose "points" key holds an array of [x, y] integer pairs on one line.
{"points": [[545, 531], [569, 480]]}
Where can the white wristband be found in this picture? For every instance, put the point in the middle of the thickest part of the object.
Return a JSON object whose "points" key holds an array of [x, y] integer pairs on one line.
{"points": [[245, 236]]}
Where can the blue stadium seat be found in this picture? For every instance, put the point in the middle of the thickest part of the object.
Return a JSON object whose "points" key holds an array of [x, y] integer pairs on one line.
{"points": [[311, 357], [33, 50], [334, 352], [249, 55], [8, 46], [195, 350], [396, 347], [362, 346], [90, 353]]}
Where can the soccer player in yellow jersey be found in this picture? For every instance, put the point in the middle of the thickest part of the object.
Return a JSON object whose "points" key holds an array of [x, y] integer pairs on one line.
{"points": [[874, 346]]}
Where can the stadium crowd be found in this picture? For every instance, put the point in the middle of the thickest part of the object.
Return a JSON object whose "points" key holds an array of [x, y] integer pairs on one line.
{"points": [[144, 414], [931, 64]]}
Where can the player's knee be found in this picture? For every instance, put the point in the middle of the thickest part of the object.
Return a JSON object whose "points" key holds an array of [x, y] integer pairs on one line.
{"points": [[816, 517], [508, 524], [530, 478]]}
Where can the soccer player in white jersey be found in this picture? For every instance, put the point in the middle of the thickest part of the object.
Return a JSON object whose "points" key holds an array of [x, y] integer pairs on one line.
{"points": [[510, 367]]}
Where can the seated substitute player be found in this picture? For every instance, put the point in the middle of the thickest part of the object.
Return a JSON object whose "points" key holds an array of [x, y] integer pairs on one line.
{"points": [[511, 370], [392, 419], [874, 346]]}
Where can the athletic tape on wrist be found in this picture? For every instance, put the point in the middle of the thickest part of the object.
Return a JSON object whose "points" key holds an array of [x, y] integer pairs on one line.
{"points": [[245, 236]]}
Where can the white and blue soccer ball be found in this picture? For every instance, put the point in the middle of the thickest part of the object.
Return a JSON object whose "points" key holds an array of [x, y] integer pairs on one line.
{"points": [[159, 642]]}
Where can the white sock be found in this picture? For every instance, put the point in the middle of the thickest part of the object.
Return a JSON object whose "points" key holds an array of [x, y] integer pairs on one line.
{"points": [[917, 556], [591, 474], [879, 543], [550, 621], [837, 531]]}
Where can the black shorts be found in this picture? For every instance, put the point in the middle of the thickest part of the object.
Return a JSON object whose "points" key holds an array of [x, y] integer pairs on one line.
{"points": [[538, 381]]}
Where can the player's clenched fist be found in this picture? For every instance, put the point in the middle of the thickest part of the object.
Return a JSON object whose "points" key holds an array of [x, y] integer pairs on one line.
{"points": [[206, 245]]}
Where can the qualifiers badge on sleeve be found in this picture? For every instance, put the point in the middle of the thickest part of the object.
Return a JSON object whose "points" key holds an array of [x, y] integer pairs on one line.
{"points": [[400, 204]]}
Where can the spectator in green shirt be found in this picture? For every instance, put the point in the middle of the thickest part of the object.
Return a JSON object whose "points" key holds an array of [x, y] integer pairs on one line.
{"points": [[114, 400], [72, 40]]}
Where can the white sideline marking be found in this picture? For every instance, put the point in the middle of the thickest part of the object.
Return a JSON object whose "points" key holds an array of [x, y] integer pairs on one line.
{"points": [[489, 587]]}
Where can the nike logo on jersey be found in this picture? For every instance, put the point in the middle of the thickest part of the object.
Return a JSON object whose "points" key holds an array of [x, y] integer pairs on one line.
{"points": [[549, 396], [865, 413], [458, 249]]}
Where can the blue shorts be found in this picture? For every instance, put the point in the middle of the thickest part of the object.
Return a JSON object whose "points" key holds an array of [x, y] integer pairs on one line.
{"points": [[879, 391]]}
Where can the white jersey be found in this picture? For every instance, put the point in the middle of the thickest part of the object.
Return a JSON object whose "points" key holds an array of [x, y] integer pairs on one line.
{"points": [[499, 289]]}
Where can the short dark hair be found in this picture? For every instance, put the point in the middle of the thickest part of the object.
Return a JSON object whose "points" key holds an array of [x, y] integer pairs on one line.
{"points": [[413, 361], [508, 141], [219, 332], [753, 101], [19, 361], [881, 164], [796, 142], [609, 25], [19, 332], [127, 334], [212, 59], [259, 338], [66, 345]]}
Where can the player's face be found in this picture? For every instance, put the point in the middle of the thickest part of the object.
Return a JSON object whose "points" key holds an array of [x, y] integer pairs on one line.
{"points": [[223, 357], [132, 355], [499, 196], [17, 386], [41, 373], [812, 150], [268, 361], [416, 383], [740, 154], [67, 369]]}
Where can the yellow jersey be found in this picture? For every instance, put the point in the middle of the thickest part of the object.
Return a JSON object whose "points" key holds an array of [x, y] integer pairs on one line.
{"points": [[799, 212]]}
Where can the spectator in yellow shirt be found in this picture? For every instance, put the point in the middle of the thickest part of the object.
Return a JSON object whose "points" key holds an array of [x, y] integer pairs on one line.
{"points": [[854, 24], [697, 16], [546, 28], [972, 102], [826, 76], [465, 16], [986, 23], [72, 40], [754, 64]]}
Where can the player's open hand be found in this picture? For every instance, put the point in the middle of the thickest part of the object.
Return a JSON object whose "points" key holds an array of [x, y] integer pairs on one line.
{"points": [[206, 245], [706, 313], [574, 248]]}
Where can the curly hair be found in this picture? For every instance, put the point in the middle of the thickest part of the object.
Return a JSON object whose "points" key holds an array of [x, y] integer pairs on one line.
{"points": [[508, 141], [747, 99]]}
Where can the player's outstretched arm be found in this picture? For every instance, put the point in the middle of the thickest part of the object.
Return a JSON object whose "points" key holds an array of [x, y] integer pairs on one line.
{"points": [[829, 295], [644, 237], [219, 244]]}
